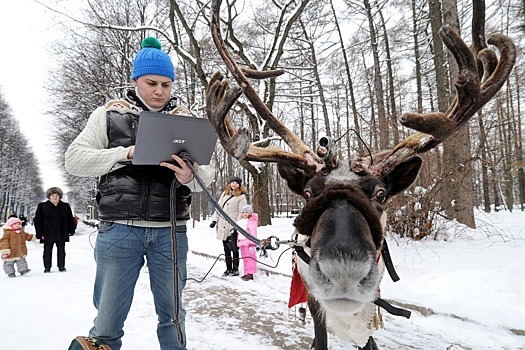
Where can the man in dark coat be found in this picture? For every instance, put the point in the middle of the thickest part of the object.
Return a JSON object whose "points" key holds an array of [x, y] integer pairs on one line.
{"points": [[54, 223]]}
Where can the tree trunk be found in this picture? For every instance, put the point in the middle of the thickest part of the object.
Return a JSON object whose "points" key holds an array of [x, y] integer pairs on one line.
{"points": [[349, 90], [458, 199], [313, 119], [378, 83], [494, 179], [260, 195], [315, 71], [374, 135], [417, 58], [519, 143], [507, 147], [439, 57], [484, 163], [392, 118]]}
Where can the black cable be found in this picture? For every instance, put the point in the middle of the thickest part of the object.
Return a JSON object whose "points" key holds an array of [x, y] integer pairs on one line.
{"points": [[218, 208], [364, 144], [188, 162], [248, 257]]}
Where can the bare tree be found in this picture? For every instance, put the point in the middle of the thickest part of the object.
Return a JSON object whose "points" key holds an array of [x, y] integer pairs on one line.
{"points": [[332, 82], [378, 81], [20, 180]]}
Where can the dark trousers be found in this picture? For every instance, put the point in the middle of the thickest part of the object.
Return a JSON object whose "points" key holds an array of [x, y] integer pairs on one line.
{"points": [[61, 254], [231, 264]]}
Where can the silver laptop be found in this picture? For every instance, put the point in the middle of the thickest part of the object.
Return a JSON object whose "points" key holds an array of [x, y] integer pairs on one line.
{"points": [[160, 135]]}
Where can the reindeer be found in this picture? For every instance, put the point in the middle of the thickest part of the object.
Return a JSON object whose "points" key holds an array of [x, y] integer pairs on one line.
{"points": [[342, 225]]}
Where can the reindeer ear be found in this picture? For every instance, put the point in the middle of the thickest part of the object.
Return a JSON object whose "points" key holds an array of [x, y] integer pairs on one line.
{"points": [[296, 178], [402, 176]]}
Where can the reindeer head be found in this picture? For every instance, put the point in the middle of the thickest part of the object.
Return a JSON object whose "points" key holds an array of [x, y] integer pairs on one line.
{"points": [[342, 223], [342, 227]]}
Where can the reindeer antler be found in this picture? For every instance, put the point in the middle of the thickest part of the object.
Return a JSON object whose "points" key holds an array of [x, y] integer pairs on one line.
{"points": [[474, 64], [221, 97]]}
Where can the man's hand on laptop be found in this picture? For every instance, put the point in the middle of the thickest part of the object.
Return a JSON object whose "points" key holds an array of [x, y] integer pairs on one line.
{"points": [[131, 152], [182, 172]]}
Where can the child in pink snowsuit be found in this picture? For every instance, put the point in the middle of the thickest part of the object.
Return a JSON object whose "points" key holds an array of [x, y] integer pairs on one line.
{"points": [[250, 221]]}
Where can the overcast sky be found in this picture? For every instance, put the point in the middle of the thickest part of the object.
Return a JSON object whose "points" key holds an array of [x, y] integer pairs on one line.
{"points": [[27, 30]]}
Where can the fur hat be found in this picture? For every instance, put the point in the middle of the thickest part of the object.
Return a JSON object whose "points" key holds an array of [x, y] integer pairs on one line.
{"points": [[56, 190], [152, 60], [12, 221], [247, 209], [236, 179]]}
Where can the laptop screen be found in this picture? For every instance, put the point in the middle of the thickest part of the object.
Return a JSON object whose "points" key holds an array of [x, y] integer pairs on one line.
{"points": [[160, 135]]}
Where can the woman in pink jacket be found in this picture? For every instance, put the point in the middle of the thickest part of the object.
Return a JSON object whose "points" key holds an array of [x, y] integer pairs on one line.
{"points": [[249, 220]]}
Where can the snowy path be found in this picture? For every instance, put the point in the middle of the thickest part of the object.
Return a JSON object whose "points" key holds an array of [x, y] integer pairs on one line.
{"points": [[258, 309], [455, 304]]}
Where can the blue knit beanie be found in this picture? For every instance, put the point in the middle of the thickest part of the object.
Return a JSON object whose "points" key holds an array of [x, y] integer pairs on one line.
{"points": [[152, 60]]}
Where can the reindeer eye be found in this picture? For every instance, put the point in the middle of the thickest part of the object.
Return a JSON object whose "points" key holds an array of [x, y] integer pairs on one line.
{"points": [[381, 196], [307, 195]]}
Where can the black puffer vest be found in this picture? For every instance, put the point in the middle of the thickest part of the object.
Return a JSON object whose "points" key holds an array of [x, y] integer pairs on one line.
{"points": [[137, 192]]}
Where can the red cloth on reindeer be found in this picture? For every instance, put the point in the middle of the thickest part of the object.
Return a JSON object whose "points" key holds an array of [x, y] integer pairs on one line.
{"points": [[298, 292]]}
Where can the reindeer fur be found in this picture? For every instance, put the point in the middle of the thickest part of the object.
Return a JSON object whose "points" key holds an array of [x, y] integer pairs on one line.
{"points": [[341, 226]]}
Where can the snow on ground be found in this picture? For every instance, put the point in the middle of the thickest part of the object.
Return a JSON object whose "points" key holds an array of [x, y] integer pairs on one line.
{"points": [[465, 292]]}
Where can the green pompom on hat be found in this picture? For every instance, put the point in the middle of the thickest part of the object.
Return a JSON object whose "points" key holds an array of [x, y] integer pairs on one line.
{"points": [[152, 60], [151, 42]]}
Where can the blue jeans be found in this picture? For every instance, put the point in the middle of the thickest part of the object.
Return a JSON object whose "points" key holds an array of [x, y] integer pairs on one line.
{"points": [[119, 253]]}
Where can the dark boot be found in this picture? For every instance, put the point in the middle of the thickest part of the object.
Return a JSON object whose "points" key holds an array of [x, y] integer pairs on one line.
{"points": [[229, 267], [235, 270]]}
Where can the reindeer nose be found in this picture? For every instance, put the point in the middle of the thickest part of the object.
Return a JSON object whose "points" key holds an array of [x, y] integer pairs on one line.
{"points": [[370, 280]]}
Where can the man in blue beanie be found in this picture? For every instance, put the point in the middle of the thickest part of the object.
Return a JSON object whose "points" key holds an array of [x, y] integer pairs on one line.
{"points": [[134, 205]]}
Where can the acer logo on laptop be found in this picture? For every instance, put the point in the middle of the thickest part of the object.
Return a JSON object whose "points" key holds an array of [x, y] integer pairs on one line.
{"points": [[179, 141]]}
